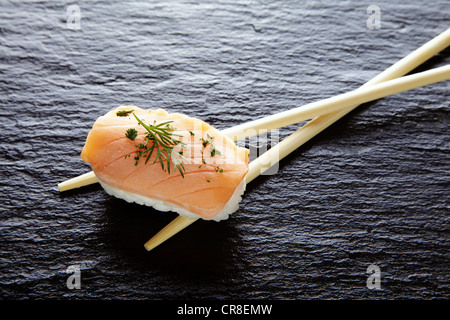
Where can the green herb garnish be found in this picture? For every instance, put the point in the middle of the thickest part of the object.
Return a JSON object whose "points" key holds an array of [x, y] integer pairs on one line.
{"points": [[204, 142], [214, 151], [192, 134], [163, 143], [209, 141], [124, 113], [218, 169], [131, 134]]}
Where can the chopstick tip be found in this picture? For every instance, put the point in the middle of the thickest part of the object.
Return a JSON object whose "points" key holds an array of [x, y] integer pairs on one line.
{"points": [[149, 245]]}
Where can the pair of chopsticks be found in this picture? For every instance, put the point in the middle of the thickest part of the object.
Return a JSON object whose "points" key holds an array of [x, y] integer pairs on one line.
{"points": [[323, 113]]}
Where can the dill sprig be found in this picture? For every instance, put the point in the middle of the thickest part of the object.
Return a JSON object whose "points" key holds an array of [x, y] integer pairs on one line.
{"points": [[131, 134], [213, 151], [209, 141], [124, 113], [163, 142]]}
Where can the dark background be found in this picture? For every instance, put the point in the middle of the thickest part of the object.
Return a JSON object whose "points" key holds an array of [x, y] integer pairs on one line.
{"points": [[371, 189]]}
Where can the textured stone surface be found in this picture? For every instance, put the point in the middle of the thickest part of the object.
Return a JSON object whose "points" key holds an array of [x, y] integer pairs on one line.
{"points": [[371, 189]]}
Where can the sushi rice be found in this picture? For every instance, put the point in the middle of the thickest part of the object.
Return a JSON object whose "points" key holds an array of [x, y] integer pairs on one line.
{"points": [[231, 206]]}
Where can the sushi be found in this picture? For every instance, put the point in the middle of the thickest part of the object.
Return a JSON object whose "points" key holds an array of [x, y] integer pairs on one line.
{"points": [[168, 161]]}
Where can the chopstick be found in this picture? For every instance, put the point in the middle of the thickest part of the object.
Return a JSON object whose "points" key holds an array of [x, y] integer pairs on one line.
{"points": [[311, 110], [339, 102], [78, 182], [315, 126]]}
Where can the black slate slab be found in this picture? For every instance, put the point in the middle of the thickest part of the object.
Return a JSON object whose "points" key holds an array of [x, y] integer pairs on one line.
{"points": [[370, 190]]}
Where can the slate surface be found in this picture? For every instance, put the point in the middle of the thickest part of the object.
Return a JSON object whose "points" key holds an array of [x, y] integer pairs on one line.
{"points": [[371, 189]]}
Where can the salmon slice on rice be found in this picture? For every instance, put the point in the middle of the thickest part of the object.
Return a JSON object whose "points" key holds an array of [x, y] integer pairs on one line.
{"points": [[214, 167]]}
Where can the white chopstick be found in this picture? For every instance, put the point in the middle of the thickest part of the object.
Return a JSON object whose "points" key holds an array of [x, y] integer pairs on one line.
{"points": [[356, 97]]}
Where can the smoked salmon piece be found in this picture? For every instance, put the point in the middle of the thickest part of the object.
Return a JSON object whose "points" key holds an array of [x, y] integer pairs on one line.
{"points": [[207, 183]]}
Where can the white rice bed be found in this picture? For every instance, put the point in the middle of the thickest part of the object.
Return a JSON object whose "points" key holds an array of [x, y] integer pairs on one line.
{"points": [[231, 206]]}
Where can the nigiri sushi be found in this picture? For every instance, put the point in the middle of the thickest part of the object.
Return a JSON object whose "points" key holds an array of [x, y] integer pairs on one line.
{"points": [[168, 161]]}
